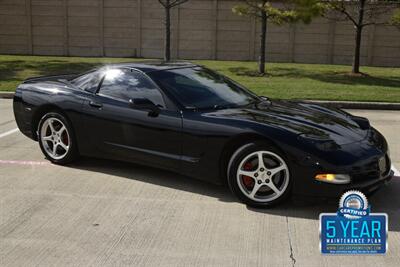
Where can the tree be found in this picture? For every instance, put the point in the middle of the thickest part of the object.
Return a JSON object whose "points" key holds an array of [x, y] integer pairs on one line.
{"points": [[395, 21], [279, 13], [168, 4], [361, 13]]}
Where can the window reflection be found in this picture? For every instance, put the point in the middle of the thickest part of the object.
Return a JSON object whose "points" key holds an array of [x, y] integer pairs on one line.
{"points": [[202, 88], [126, 84]]}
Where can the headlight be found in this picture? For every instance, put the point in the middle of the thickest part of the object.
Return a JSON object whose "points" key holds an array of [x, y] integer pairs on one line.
{"points": [[362, 122], [321, 142], [333, 178], [314, 137]]}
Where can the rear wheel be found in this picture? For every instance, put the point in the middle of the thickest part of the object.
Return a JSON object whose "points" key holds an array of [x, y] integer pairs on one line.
{"points": [[56, 138], [259, 175]]}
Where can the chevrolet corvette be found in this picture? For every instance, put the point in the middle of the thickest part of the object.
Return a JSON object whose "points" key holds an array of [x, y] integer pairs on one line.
{"points": [[191, 120]]}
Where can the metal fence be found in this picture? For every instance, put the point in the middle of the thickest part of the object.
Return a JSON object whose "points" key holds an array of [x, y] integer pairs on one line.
{"points": [[201, 29]]}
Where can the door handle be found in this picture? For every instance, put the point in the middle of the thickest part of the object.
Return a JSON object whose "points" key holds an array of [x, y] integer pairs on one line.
{"points": [[95, 104]]}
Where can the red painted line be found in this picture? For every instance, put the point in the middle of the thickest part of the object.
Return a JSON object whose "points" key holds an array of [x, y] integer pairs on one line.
{"points": [[24, 162]]}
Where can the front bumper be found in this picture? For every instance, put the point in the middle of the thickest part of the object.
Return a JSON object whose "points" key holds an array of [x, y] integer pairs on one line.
{"points": [[360, 160], [325, 190], [367, 187]]}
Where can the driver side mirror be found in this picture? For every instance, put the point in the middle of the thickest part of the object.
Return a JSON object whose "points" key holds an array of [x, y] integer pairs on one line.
{"points": [[144, 104]]}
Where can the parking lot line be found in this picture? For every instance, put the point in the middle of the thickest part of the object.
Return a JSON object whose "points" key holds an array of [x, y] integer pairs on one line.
{"points": [[396, 171], [24, 162], [9, 132]]}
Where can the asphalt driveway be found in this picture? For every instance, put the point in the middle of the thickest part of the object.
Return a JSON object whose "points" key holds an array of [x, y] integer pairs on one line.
{"points": [[98, 212]]}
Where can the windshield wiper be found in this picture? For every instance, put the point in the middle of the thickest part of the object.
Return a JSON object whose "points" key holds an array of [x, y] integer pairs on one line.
{"points": [[225, 106], [214, 107], [207, 108]]}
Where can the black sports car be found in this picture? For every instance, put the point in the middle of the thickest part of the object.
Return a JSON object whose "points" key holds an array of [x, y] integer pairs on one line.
{"points": [[189, 119]]}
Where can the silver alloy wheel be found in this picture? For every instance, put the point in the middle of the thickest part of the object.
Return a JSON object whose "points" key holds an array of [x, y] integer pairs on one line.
{"points": [[55, 138], [269, 177]]}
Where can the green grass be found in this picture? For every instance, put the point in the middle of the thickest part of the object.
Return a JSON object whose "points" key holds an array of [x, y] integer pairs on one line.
{"points": [[283, 80]]}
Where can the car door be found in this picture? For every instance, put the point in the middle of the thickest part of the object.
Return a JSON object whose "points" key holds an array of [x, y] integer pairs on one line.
{"points": [[119, 131]]}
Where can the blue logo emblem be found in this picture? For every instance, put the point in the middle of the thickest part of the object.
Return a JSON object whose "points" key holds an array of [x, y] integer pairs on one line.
{"points": [[353, 229]]}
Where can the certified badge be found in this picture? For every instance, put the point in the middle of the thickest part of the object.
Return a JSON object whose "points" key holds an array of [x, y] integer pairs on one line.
{"points": [[353, 229], [353, 205]]}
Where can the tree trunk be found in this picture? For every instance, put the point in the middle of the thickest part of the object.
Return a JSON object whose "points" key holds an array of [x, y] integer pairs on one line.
{"points": [[359, 28], [263, 37], [167, 45], [356, 59]]}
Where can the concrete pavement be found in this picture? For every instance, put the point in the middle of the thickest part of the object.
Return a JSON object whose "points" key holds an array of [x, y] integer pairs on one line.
{"points": [[98, 212]]}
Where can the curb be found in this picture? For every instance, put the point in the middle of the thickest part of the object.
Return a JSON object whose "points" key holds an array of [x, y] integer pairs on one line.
{"points": [[335, 104], [356, 105], [7, 95]]}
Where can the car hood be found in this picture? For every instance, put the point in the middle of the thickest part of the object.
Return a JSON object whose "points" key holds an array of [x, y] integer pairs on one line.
{"points": [[310, 120]]}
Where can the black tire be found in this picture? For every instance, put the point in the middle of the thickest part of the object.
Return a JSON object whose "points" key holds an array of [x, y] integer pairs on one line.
{"points": [[72, 153], [233, 166]]}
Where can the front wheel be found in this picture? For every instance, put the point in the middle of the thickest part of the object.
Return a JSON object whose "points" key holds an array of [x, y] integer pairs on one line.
{"points": [[259, 175], [56, 138]]}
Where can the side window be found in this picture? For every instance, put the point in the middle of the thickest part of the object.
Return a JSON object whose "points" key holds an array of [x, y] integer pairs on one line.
{"points": [[88, 82], [126, 84]]}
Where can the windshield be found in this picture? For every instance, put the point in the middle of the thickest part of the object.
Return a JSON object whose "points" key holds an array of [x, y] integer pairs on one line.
{"points": [[202, 88]]}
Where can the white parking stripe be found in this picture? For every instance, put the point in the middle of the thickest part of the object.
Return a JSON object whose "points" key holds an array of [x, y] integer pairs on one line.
{"points": [[396, 171], [24, 162], [9, 132]]}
